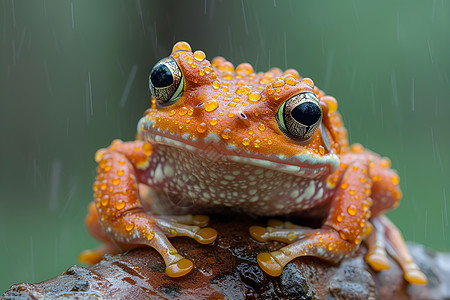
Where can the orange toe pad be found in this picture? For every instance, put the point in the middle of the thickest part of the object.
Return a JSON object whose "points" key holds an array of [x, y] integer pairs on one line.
{"points": [[179, 268], [269, 264]]}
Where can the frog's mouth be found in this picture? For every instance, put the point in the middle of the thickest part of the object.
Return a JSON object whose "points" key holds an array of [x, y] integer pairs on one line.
{"points": [[213, 148]]}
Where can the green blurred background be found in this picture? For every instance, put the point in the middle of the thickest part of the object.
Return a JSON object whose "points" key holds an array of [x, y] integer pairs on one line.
{"points": [[73, 76]]}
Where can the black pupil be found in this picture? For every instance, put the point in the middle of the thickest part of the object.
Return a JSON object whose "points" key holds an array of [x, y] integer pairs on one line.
{"points": [[306, 113], [161, 76]]}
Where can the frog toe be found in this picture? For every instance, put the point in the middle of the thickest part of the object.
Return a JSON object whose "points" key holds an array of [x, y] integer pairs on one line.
{"points": [[259, 233], [415, 276], [269, 264], [206, 235], [179, 268], [377, 260]]}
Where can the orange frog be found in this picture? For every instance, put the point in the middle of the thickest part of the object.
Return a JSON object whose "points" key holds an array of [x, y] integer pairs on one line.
{"points": [[219, 138]]}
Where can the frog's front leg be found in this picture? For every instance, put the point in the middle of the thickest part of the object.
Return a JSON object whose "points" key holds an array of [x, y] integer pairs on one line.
{"points": [[345, 226], [120, 213]]}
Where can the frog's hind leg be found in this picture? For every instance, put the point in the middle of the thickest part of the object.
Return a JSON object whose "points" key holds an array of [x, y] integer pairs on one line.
{"points": [[376, 255], [93, 256], [398, 250]]}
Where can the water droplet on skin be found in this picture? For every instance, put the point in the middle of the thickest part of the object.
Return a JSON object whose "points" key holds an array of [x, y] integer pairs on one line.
{"points": [[120, 172], [245, 141], [116, 181], [254, 97], [199, 55], [183, 111], [216, 84], [351, 210], [201, 128], [150, 235], [262, 127], [228, 76], [244, 69], [181, 46], [103, 185], [291, 80], [105, 200], [211, 105], [226, 134], [129, 226], [213, 121], [278, 83], [243, 90], [120, 205], [321, 150]]}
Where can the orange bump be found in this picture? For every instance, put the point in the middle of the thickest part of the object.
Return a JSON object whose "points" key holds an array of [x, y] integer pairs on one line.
{"points": [[181, 46], [385, 162], [147, 149], [395, 180], [308, 81], [244, 68], [332, 106], [99, 155]]}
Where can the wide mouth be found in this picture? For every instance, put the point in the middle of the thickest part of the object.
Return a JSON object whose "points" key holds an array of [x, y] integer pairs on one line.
{"points": [[213, 148]]}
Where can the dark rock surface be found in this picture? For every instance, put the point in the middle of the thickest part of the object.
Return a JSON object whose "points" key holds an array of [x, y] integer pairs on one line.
{"points": [[227, 269]]}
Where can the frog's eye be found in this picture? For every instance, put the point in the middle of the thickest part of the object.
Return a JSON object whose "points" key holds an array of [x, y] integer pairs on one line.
{"points": [[166, 81], [300, 116]]}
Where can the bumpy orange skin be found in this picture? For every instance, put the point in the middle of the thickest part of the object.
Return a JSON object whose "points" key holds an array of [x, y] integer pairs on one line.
{"points": [[220, 146]]}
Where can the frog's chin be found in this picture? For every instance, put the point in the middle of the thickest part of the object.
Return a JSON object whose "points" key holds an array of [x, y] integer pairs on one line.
{"points": [[213, 148]]}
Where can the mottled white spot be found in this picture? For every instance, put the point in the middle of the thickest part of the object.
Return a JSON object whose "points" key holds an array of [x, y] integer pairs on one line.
{"points": [[319, 194], [295, 194], [159, 176], [168, 170], [254, 199]]}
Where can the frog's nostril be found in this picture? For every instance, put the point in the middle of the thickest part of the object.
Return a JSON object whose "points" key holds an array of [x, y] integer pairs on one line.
{"points": [[161, 76]]}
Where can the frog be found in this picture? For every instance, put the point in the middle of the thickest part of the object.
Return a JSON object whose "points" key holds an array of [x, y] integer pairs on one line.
{"points": [[224, 139]]}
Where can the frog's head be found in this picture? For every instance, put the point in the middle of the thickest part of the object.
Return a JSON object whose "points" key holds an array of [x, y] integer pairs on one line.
{"points": [[274, 120]]}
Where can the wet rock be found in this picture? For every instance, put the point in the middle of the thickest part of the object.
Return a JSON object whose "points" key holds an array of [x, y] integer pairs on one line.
{"points": [[227, 269]]}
